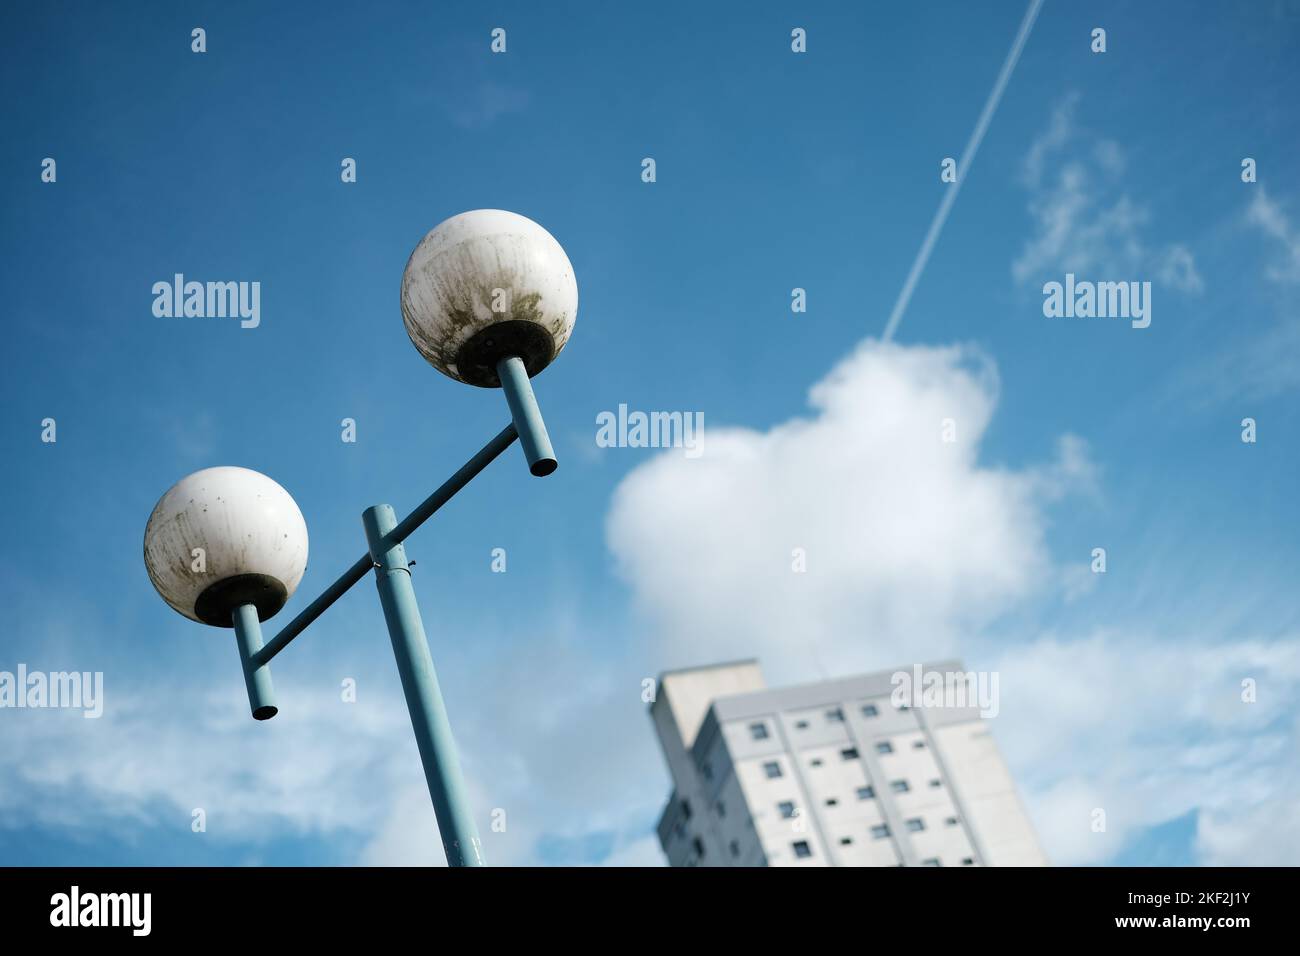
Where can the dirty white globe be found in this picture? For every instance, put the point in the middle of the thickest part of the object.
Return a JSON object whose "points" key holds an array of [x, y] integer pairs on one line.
{"points": [[485, 285], [223, 537]]}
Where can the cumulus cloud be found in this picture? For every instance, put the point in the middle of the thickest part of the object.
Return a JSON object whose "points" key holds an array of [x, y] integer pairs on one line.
{"points": [[1085, 222], [907, 539], [913, 545]]}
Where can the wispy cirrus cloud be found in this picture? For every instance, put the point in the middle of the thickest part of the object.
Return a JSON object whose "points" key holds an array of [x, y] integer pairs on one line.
{"points": [[1268, 216], [1262, 358], [1084, 219]]}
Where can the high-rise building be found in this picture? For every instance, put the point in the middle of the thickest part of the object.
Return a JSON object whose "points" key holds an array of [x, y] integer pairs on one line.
{"points": [[834, 773]]}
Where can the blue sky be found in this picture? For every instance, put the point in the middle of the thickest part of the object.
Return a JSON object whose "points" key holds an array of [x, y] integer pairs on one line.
{"points": [[775, 170]]}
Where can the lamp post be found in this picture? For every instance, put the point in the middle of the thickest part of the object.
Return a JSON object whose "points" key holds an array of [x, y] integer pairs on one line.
{"points": [[489, 299]]}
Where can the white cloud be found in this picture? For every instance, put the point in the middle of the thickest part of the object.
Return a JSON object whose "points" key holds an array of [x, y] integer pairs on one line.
{"points": [[1148, 730], [1267, 215], [909, 540], [912, 544], [1085, 222], [561, 756], [1260, 358], [153, 758]]}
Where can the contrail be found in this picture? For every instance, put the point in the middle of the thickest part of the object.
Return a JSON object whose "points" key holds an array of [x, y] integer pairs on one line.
{"points": [[963, 170]]}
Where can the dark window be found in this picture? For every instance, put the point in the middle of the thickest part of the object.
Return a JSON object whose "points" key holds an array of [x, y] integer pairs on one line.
{"points": [[849, 753], [722, 809], [933, 861], [880, 831], [899, 786], [918, 745], [916, 824], [832, 802], [758, 731], [699, 846], [772, 769], [936, 782], [835, 714], [686, 809], [735, 848], [802, 849], [845, 841], [870, 710], [866, 793], [707, 770], [787, 808], [884, 747], [951, 821], [967, 861], [815, 762], [801, 725]]}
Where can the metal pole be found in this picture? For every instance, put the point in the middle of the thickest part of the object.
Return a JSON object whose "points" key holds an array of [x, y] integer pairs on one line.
{"points": [[484, 457], [527, 416], [257, 678], [423, 696]]}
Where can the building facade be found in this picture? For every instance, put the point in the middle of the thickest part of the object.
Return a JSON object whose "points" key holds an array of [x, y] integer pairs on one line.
{"points": [[831, 774]]}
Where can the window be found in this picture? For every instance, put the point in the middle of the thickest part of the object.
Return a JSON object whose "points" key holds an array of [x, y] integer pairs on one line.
{"points": [[936, 782], [801, 725], [772, 769], [916, 824], [846, 841], [706, 768], [787, 808], [884, 747], [967, 861], [870, 710], [699, 846], [880, 831], [802, 849], [835, 715], [849, 753], [832, 801], [686, 809], [758, 731], [899, 786], [722, 809], [815, 762], [735, 848], [951, 821], [866, 793], [918, 745], [933, 861]]}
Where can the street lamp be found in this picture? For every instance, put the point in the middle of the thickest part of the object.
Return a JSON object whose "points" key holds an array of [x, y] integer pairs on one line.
{"points": [[489, 299]]}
